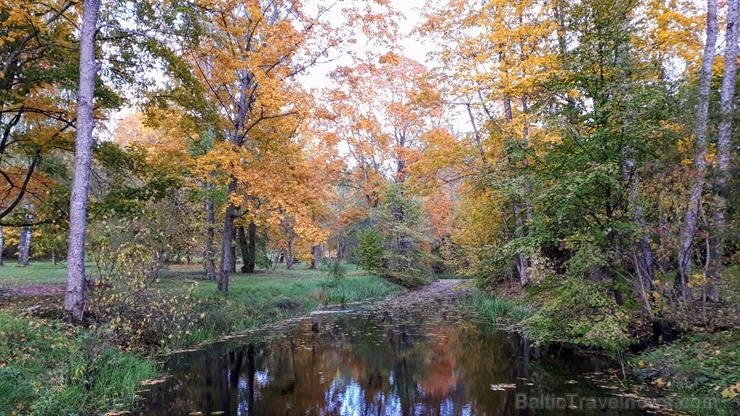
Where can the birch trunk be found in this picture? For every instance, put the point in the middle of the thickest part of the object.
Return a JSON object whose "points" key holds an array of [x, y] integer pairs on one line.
{"points": [[690, 222], [722, 170], [74, 301], [24, 246]]}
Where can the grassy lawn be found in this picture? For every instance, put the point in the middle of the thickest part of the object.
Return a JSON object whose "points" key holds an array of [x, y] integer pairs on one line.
{"points": [[37, 273]]}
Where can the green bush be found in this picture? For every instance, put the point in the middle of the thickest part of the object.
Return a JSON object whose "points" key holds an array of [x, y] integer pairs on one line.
{"points": [[369, 251], [337, 271], [580, 311]]}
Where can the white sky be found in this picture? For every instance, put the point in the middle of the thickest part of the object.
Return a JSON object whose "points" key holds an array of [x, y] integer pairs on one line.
{"points": [[411, 9]]}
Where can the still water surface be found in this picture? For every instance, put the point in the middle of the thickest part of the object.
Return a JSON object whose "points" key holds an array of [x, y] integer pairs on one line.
{"points": [[362, 364]]}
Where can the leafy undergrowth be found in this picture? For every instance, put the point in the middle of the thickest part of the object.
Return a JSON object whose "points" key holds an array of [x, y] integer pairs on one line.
{"points": [[48, 366], [699, 365]]}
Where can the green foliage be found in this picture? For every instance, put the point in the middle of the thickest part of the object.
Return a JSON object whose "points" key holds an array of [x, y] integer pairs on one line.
{"points": [[407, 258], [369, 251], [49, 368], [582, 312], [337, 271], [702, 365], [121, 300]]}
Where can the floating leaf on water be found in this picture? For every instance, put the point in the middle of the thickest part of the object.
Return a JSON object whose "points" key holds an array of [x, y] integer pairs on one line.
{"points": [[502, 386]]}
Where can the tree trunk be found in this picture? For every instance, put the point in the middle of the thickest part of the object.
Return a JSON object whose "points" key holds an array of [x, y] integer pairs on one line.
{"points": [[520, 261], [241, 241], [233, 254], [722, 170], [251, 247], [24, 246], [1, 246], [74, 302], [53, 257], [289, 255], [690, 222], [644, 262], [317, 254], [208, 261], [228, 236]]}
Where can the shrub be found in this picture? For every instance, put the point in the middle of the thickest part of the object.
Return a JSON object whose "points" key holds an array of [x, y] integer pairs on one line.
{"points": [[369, 251], [337, 271], [582, 312]]}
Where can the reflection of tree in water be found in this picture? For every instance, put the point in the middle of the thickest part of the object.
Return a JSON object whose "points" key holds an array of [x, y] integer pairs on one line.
{"points": [[362, 367]]}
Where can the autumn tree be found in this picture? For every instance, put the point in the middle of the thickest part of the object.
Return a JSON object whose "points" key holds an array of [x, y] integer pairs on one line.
{"points": [[382, 112], [690, 222], [503, 52], [246, 59], [36, 107]]}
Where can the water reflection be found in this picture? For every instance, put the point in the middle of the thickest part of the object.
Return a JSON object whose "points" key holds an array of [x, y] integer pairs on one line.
{"points": [[358, 365]]}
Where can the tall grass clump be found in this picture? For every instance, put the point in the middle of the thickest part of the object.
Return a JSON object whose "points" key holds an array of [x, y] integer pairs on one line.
{"points": [[490, 308], [48, 367]]}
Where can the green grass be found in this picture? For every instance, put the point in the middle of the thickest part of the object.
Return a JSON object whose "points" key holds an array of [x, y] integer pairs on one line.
{"points": [[495, 310], [49, 368], [36, 273], [699, 365]]}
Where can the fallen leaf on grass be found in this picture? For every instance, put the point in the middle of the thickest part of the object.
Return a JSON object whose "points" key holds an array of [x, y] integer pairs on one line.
{"points": [[153, 381]]}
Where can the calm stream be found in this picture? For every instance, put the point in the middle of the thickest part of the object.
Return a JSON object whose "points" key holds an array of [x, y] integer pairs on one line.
{"points": [[364, 364]]}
